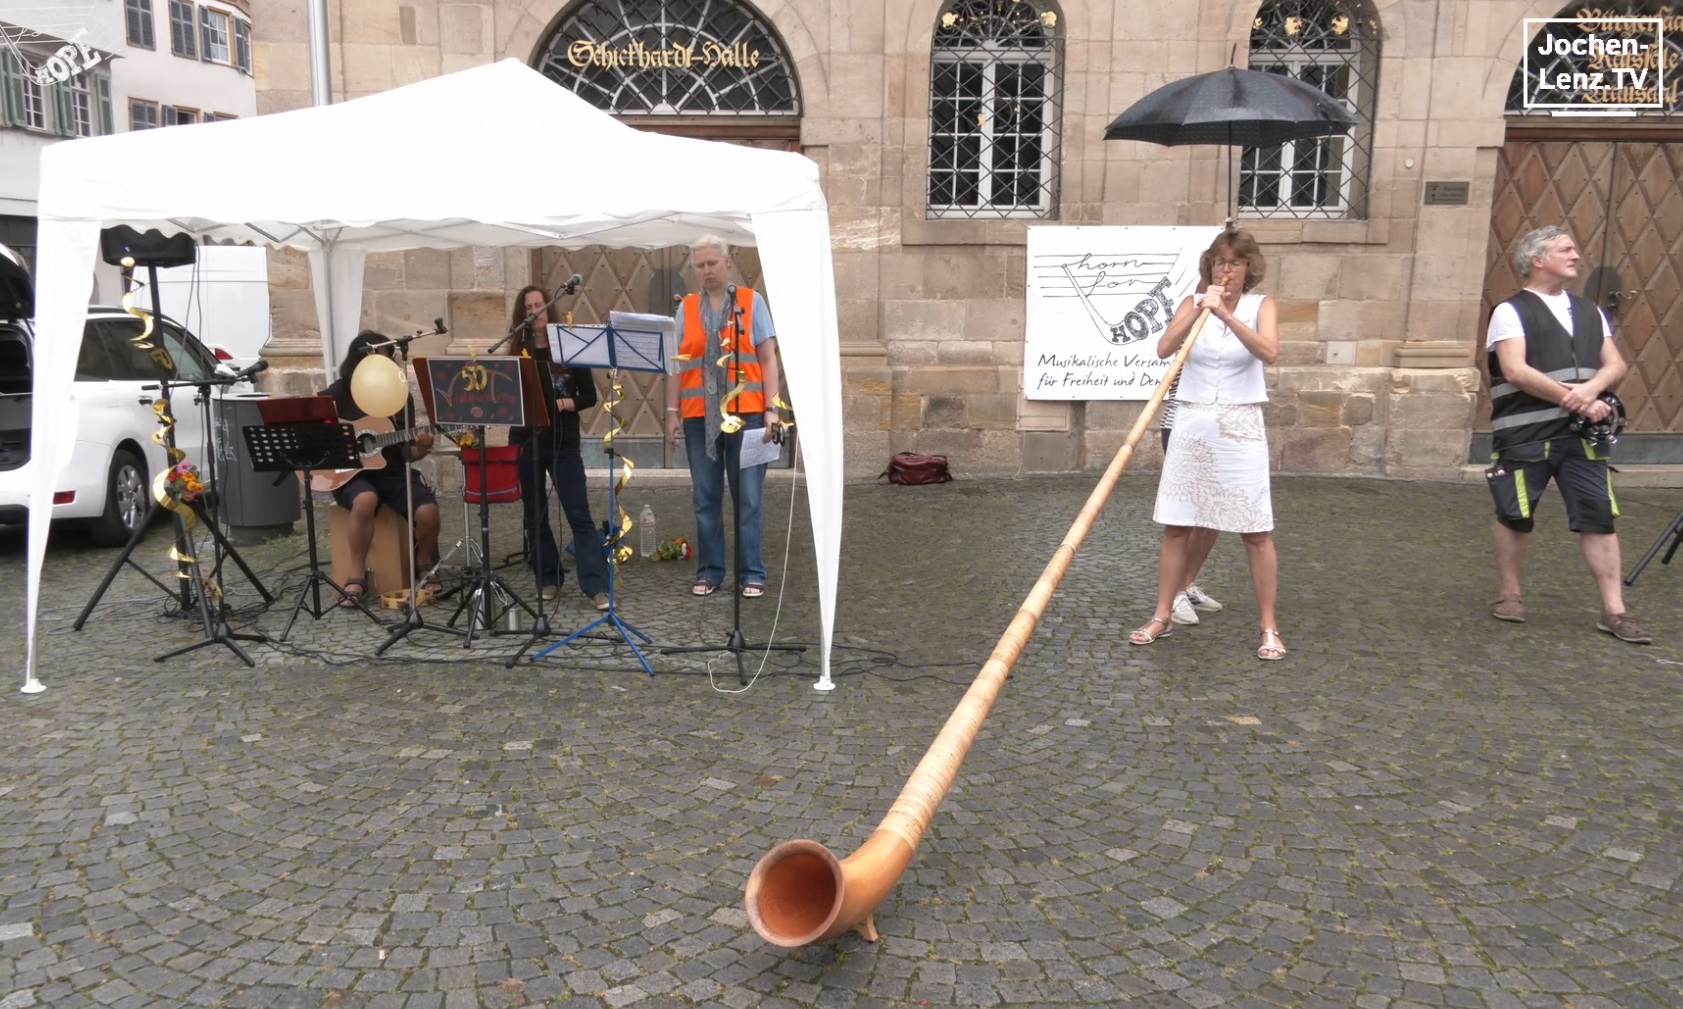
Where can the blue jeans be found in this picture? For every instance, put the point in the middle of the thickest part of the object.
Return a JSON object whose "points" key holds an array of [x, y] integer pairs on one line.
{"points": [[565, 467], [707, 479]]}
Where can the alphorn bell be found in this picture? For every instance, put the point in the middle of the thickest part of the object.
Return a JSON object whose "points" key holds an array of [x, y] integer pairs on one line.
{"points": [[800, 892]]}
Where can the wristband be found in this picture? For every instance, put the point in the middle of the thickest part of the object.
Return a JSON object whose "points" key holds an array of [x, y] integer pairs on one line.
{"points": [[671, 409]]}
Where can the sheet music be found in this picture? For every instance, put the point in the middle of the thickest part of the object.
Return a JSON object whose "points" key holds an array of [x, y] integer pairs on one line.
{"points": [[755, 451], [579, 346], [663, 328]]}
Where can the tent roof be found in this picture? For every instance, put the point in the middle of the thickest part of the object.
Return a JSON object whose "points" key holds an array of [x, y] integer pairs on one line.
{"points": [[332, 177]]}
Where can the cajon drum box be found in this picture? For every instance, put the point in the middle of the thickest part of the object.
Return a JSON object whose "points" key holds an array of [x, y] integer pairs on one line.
{"points": [[388, 555]]}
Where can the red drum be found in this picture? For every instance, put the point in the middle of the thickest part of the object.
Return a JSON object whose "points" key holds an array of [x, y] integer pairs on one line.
{"points": [[502, 475]]}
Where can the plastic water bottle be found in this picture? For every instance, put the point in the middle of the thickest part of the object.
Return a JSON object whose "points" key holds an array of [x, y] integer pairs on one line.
{"points": [[646, 534]]}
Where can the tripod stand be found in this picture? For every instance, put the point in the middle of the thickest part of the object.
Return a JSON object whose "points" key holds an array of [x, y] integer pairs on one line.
{"points": [[412, 620], [304, 447], [486, 587], [1674, 532], [611, 617]]}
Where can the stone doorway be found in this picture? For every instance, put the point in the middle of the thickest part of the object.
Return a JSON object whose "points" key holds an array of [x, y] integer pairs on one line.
{"points": [[1622, 201]]}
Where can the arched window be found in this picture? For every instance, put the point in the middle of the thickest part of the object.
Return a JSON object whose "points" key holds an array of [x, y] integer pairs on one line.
{"points": [[671, 58], [1608, 83], [1334, 45], [995, 106]]}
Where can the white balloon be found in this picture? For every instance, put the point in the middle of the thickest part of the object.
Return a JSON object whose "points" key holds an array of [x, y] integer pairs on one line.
{"points": [[378, 386]]}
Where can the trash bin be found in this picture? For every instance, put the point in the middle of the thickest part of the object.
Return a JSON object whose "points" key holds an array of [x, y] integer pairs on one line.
{"points": [[253, 504]]}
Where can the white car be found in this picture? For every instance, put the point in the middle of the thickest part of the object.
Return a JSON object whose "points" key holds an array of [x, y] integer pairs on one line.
{"points": [[106, 480]]}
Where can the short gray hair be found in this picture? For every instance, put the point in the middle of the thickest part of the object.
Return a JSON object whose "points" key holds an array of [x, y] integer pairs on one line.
{"points": [[1533, 244], [710, 242]]}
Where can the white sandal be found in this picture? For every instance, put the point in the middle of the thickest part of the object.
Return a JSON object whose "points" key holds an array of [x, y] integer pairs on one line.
{"points": [[1271, 652]]}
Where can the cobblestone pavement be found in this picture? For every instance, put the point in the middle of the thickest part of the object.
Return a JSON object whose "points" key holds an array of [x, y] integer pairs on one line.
{"points": [[1420, 806]]}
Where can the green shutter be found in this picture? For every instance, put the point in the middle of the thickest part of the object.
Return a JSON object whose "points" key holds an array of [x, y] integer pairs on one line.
{"points": [[11, 87], [64, 109], [106, 123]]}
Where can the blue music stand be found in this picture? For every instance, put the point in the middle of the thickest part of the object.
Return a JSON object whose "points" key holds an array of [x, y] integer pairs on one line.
{"points": [[632, 343]]}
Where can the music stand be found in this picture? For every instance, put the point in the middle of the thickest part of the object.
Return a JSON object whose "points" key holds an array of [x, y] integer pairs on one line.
{"points": [[303, 434], [481, 392], [636, 347], [1673, 532]]}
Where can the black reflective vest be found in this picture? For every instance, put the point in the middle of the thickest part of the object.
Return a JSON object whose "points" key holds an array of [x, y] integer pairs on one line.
{"points": [[1519, 418]]}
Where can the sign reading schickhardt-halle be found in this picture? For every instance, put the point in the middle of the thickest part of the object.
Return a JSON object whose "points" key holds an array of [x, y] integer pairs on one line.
{"points": [[585, 53]]}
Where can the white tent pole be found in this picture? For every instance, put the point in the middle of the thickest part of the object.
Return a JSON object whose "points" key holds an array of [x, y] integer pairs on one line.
{"points": [[321, 77]]}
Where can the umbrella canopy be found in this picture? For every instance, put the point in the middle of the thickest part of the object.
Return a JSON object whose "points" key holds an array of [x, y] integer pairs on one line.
{"points": [[1244, 107]]}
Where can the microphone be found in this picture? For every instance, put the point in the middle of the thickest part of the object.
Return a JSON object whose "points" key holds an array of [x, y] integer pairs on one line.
{"points": [[730, 291], [438, 324], [249, 370], [573, 283]]}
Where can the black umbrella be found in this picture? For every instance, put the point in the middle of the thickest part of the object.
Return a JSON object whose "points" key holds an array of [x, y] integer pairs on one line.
{"points": [[1233, 107]]}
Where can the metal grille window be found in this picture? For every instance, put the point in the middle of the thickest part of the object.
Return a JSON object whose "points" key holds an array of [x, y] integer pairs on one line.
{"points": [[672, 58], [995, 105], [82, 105], [142, 115], [1333, 45]]}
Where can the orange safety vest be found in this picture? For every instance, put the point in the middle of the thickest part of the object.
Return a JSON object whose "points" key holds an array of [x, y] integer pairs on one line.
{"points": [[692, 396]]}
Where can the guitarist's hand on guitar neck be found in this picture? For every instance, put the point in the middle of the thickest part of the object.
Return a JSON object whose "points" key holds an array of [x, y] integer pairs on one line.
{"points": [[422, 445]]}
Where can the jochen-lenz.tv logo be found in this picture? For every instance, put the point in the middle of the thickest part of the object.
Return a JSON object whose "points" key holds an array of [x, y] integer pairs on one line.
{"points": [[1595, 66]]}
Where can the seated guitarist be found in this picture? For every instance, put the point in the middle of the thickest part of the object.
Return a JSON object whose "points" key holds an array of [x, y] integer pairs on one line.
{"points": [[363, 494]]}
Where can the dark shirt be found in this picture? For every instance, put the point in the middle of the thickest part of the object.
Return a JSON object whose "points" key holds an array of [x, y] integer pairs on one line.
{"points": [[558, 383], [349, 411]]}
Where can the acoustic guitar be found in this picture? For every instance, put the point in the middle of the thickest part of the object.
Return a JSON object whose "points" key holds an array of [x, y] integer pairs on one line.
{"points": [[373, 436]]}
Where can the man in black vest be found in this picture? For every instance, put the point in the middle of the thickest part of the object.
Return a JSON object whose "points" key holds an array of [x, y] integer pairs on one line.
{"points": [[1551, 357]]}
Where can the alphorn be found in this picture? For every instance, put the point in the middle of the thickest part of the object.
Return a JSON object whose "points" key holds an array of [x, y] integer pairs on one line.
{"points": [[800, 892]]}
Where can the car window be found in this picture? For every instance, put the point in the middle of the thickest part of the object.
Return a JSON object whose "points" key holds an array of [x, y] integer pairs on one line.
{"points": [[14, 362], [93, 361], [133, 361], [193, 363]]}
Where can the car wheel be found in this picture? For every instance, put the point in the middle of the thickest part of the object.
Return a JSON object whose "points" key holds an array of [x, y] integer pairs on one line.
{"points": [[126, 500]]}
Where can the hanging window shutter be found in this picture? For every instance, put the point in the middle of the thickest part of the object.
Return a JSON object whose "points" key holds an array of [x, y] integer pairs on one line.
{"points": [[183, 37], [64, 114], [204, 33], [242, 45], [11, 88], [166, 115], [106, 124]]}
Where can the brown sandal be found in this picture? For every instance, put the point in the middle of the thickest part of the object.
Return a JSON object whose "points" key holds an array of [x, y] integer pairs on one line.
{"points": [[351, 593], [1271, 652], [1145, 636]]}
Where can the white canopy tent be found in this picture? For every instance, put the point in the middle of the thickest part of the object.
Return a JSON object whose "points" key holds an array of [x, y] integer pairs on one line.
{"points": [[493, 156]]}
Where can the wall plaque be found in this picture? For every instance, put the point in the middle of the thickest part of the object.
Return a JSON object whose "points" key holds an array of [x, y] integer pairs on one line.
{"points": [[1446, 194]]}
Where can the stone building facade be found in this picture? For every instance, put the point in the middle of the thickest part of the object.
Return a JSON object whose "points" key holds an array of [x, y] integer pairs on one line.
{"points": [[1385, 249]]}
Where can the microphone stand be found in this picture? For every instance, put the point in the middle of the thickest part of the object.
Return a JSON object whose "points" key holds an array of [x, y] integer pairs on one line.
{"points": [[737, 644], [412, 619]]}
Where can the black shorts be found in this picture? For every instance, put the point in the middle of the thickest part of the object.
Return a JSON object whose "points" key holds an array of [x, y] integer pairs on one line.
{"points": [[1519, 476], [386, 485]]}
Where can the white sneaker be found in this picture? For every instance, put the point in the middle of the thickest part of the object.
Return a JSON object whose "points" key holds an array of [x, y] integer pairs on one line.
{"points": [[1201, 599], [1182, 612]]}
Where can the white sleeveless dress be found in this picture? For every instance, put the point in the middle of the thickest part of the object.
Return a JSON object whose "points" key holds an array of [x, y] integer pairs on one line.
{"points": [[1215, 474]]}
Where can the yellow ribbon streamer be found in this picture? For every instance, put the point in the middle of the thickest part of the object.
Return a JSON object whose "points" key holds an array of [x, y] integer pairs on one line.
{"points": [[617, 546]]}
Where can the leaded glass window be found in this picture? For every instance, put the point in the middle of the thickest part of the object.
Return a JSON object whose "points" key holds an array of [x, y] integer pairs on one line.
{"points": [[672, 58], [1333, 45], [995, 107], [1645, 64]]}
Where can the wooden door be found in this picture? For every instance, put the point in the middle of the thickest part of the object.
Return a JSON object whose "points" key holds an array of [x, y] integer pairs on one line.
{"points": [[1622, 203], [648, 280]]}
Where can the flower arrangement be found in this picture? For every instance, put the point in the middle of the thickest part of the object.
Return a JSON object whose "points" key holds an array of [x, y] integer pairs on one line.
{"points": [[184, 483], [673, 550]]}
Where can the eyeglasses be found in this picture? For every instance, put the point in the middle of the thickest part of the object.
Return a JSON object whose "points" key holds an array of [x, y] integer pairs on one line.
{"points": [[1229, 264]]}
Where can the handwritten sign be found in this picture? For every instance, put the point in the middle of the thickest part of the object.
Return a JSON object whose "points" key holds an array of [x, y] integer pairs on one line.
{"points": [[1098, 299], [466, 390]]}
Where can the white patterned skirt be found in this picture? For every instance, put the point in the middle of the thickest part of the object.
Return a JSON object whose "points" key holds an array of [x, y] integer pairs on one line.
{"points": [[1216, 472]]}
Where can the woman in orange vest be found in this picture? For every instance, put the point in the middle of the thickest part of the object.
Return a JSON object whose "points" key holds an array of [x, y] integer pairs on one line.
{"points": [[713, 361]]}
